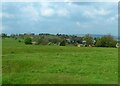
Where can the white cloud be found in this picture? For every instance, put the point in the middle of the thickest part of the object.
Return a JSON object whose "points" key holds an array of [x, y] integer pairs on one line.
{"points": [[102, 12], [36, 12], [82, 25], [113, 18], [0, 28], [93, 13], [0, 15], [78, 23], [60, 0], [63, 12], [44, 4], [3, 28], [49, 9], [6, 15], [47, 12], [31, 12], [45, 9]]}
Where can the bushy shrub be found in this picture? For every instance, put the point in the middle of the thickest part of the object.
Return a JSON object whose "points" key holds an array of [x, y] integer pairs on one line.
{"points": [[89, 39], [42, 41], [106, 41], [63, 43], [28, 40], [19, 41]]}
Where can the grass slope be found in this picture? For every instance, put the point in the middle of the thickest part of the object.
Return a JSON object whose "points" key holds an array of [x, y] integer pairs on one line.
{"points": [[29, 64]]}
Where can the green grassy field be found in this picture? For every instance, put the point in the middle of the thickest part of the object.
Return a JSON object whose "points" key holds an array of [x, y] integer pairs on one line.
{"points": [[30, 64]]}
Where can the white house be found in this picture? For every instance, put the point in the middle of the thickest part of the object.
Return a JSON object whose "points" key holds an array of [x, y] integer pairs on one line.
{"points": [[117, 45]]}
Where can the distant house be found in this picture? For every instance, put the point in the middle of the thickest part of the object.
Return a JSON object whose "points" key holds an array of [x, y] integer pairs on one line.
{"points": [[34, 43], [84, 42], [68, 40], [89, 45], [80, 45], [117, 45], [94, 41]]}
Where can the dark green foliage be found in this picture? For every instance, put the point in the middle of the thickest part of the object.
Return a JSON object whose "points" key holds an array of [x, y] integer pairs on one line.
{"points": [[13, 36], [76, 40], [42, 41], [19, 41], [4, 35], [28, 40], [54, 40], [12, 52], [63, 43], [106, 41], [21, 36], [89, 39]]}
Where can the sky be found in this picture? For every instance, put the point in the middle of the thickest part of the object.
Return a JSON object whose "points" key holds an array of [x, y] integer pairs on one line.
{"points": [[60, 17]]}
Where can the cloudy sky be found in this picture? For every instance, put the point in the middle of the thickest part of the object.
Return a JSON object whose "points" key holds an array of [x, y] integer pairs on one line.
{"points": [[60, 17]]}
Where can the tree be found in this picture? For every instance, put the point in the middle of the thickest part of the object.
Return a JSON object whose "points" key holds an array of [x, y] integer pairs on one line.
{"points": [[12, 35], [106, 41], [63, 43], [54, 40], [42, 40], [28, 40], [89, 39], [4, 35]]}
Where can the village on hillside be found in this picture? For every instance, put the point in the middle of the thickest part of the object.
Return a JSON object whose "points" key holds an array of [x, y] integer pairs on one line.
{"points": [[63, 40]]}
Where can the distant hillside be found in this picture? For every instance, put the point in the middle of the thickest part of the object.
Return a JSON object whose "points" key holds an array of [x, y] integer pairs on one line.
{"points": [[96, 36], [93, 35]]}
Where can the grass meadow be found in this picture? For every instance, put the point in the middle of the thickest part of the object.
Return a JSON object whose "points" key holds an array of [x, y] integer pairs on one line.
{"points": [[34, 64]]}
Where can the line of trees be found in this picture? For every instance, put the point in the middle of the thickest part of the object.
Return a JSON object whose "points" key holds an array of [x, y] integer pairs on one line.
{"points": [[62, 39], [106, 41]]}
